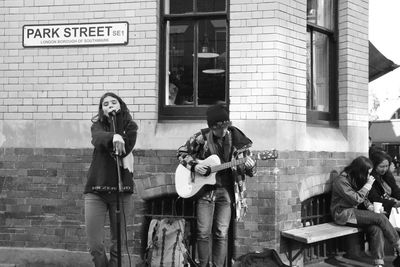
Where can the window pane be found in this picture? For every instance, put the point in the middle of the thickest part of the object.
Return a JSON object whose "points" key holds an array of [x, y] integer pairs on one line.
{"points": [[310, 91], [194, 64], [179, 62], [210, 5], [178, 6], [320, 72], [211, 61], [320, 12]]}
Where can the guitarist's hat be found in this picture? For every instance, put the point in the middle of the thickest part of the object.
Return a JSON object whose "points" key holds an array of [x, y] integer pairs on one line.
{"points": [[218, 115]]}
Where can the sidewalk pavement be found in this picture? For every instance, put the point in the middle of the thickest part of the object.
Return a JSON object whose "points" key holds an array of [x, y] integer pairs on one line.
{"points": [[345, 262]]}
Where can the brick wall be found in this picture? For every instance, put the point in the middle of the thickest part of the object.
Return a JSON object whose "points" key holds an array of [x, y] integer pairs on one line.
{"points": [[51, 93], [42, 202], [268, 60], [66, 83], [41, 197], [48, 96], [353, 63], [42, 206]]}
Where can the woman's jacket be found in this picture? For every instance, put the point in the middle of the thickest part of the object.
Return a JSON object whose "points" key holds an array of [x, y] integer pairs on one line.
{"points": [[102, 175], [379, 194], [345, 198]]}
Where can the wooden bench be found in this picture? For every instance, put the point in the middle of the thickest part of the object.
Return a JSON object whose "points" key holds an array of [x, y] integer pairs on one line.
{"points": [[315, 233]]}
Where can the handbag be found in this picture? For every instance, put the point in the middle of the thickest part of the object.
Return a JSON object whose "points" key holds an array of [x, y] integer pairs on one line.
{"points": [[394, 217]]}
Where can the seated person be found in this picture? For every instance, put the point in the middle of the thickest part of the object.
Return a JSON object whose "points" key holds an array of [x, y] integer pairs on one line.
{"points": [[384, 189], [349, 190]]}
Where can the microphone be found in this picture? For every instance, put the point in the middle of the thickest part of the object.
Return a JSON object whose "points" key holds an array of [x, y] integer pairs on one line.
{"points": [[113, 113]]}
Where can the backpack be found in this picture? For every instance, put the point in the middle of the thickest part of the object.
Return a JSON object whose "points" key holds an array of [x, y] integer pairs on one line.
{"points": [[165, 246], [268, 258]]}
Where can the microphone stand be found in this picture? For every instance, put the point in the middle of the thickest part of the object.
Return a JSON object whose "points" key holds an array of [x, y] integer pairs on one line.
{"points": [[118, 210]]}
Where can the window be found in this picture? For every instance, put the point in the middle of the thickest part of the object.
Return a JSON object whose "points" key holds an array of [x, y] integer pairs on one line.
{"points": [[321, 61], [193, 65]]}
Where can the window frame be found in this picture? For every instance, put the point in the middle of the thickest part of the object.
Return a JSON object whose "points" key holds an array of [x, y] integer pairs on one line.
{"points": [[166, 112], [320, 117]]}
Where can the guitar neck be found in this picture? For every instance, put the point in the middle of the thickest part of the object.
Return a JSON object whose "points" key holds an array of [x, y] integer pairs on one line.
{"points": [[271, 154], [227, 165]]}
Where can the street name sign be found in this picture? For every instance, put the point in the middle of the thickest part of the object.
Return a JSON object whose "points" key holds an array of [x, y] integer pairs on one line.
{"points": [[107, 33]]}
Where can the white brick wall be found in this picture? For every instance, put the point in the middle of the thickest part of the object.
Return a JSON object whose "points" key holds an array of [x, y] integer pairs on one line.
{"points": [[353, 63], [60, 81], [267, 71], [267, 59]]}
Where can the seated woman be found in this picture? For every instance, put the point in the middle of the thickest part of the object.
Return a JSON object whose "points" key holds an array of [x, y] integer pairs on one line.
{"points": [[349, 190], [374, 148], [385, 189]]}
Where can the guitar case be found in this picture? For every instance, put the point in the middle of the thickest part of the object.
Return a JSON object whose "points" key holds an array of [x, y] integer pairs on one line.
{"points": [[267, 258]]}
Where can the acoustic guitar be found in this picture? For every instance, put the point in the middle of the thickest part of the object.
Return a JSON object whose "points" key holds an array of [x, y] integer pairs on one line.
{"points": [[188, 183]]}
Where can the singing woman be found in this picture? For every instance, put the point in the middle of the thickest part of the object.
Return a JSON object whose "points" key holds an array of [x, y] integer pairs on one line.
{"points": [[113, 137]]}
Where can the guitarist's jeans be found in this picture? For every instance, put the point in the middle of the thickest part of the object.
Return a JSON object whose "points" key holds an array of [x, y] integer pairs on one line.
{"points": [[213, 213], [96, 208]]}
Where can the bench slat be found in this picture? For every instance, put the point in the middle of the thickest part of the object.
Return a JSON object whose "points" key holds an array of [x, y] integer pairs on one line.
{"points": [[320, 232]]}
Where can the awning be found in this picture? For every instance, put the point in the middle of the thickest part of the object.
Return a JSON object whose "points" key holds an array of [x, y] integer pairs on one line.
{"points": [[385, 131], [379, 65]]}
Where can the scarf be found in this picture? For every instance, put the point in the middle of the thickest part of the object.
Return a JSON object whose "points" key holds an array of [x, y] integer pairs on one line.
{"points": [[230, 152]]}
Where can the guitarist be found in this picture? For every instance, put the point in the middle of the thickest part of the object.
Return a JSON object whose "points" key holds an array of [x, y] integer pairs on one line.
{"points": [[215, 202]]}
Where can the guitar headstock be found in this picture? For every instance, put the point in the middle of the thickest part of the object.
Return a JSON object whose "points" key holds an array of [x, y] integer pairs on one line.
{"points": [[268, 154]]}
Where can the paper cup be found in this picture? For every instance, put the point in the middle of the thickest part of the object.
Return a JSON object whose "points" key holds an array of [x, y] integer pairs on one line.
{"points": [[377, 207]]}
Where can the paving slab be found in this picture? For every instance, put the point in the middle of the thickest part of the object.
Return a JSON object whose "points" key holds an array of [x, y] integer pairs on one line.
{"points": [[346, 262]]}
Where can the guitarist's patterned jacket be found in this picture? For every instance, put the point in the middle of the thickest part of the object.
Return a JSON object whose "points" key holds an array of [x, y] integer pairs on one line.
{"points": [[197, 147]]}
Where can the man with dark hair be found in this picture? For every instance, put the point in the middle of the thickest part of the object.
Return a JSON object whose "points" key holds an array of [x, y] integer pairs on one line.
{"points": [[214, 205]]}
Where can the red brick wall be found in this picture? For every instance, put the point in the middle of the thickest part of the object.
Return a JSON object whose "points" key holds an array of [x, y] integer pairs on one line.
{"points": [[41, 201], [41, 197]]}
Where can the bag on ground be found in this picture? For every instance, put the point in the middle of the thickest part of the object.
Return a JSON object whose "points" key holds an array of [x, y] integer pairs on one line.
{"points": [[394, 217], [165, 246], [268, 258]]}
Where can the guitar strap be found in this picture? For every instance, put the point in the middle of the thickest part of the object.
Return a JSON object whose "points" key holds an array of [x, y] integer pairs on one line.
{"points": [[227, 146], [211, 144], [222, 152]]}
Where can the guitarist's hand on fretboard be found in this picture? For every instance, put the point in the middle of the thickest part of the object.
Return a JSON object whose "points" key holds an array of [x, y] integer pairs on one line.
{"points": [[249, 163]]}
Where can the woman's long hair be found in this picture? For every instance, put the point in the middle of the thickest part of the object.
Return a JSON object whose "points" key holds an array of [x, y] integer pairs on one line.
{"points": [[101, 117], [358, 171]]}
